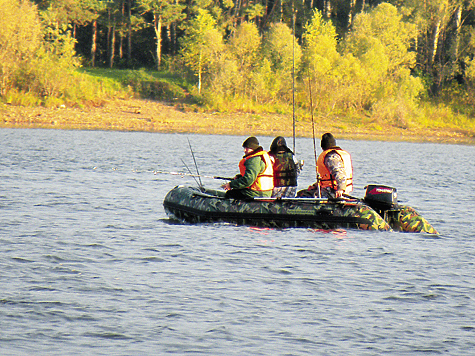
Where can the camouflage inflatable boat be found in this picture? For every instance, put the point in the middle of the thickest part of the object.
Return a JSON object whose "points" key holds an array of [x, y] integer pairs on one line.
{"points": [[377, 211]]}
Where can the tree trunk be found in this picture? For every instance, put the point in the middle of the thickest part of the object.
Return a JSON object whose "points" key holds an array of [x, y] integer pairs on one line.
{"points": [[173, 39], [121, 37], [129, 32], [112, 48], [281, 11], [327, 11], [237, 10], [94, 43], [351, 13], [200, 70], [435, 34], [157, 25], [121, 46], [458, 26], [109, 34], [436, 30]]}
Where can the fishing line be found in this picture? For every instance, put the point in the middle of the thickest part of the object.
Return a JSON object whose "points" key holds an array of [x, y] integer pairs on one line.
{"points": [[192, 175]]}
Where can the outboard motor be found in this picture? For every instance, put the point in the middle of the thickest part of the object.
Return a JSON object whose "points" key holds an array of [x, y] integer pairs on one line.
{"points": [[381, 198]]}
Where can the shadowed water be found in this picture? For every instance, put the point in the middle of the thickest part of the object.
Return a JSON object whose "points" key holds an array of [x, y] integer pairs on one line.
{"points": [[91, 265]]}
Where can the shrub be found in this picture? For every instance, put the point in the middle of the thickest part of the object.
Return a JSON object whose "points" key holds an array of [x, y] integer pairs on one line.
{"points": [[20, 37]]}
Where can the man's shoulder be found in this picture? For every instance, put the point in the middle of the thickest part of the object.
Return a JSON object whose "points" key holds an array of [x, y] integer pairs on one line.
{"points": [[333, 158], [252, 161], [333, 155]]}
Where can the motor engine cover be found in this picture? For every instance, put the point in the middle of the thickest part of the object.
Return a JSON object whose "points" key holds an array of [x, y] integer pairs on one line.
{"points": [[381, 197]]}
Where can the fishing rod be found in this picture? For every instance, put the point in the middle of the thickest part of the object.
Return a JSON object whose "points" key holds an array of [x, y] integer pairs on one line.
{"points": [[313, 134], [293, 74], [196, 166], [192, 175]]}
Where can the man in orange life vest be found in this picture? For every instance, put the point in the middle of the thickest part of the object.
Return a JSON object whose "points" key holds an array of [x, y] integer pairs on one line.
{"points": [[334, 169], [256, 173]]}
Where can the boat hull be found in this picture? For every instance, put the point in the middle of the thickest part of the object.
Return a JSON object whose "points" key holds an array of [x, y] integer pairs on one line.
{"points": [[406, 219], [194, 206]]}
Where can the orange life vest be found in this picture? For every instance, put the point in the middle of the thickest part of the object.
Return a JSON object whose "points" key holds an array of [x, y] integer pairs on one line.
{"points": [[326, 179], [264, 180]]}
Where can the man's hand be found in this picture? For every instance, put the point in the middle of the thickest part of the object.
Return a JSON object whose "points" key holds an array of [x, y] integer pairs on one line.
{"points": [[339, 193], [313, 186], [226, 186]]}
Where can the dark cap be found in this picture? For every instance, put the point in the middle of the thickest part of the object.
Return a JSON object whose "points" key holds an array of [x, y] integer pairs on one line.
{"points": [[328, 141], [251, 142], [279, 141], [279, 145]]}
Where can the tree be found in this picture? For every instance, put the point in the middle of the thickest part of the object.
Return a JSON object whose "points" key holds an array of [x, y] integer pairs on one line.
{"points": [[320, 57], [283, 52], [201, 44], [164, 13], [244, 48], [75, 13], [381, 42], [320, 46], [385, 25], [440, 33], [20, 38]]}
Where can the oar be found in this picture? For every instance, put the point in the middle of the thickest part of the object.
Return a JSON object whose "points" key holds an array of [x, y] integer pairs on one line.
{"points": [[192, 175]]}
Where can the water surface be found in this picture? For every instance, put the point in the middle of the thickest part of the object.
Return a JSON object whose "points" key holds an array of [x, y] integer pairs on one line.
{"points": [[91, 265]]}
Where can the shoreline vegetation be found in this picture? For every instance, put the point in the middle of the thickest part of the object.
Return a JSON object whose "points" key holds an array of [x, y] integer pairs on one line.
{"points": [[159, 116], [377, 82]]}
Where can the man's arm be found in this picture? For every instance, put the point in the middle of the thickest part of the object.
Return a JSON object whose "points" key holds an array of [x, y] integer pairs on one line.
{"points": [[253, 168], [334, 163]]}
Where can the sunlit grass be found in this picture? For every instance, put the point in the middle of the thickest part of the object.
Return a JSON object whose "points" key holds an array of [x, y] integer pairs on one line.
{"points": [[146, 84]]}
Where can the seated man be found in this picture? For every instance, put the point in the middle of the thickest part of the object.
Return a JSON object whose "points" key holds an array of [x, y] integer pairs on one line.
{"points": [[256, 174], [286, 169], [334, 169]]}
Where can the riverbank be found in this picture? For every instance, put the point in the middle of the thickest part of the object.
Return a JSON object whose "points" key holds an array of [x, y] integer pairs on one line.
{"points": [[154, 116]]}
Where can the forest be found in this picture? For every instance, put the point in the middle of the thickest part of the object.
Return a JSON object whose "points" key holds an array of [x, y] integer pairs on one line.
{"points": [[406, 62]]}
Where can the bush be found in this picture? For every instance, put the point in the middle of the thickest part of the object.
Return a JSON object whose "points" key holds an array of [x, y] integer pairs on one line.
{"points": [[20, 38], [37, 59]]}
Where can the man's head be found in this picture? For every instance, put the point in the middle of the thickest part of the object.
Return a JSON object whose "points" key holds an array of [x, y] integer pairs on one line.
{"points": [[328, 141], [278, 143], [251, 142]]}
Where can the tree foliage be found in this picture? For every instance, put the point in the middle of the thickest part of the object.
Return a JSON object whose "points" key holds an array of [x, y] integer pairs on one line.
{"points": [[37, 56], [20, 39], [353, 55], [201, 44]]}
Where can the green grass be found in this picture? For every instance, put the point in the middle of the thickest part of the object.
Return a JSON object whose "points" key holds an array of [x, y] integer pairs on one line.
{"points": [[146, 84]]}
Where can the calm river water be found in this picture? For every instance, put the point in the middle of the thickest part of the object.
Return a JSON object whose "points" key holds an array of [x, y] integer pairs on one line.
{"points": [[91, 265]]}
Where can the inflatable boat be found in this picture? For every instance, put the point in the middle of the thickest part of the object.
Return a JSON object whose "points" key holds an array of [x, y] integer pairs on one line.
{"points": [[378, 210]]}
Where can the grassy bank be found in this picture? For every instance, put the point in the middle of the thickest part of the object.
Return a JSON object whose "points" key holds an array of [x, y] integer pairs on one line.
{"points": [[137, 108], [153, 116]]}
